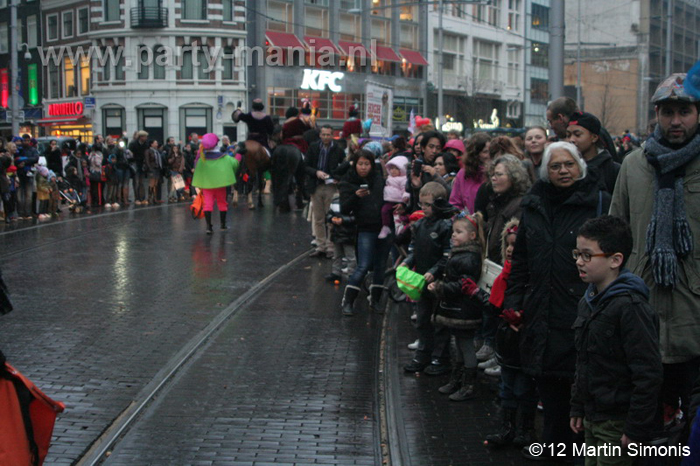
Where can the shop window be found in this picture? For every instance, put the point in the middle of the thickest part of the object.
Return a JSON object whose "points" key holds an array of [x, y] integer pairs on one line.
{"points": [[4, 38], [152, 120], [194, 9], [70, 87], [67, 24], [83, 21], [111, 10], [324, 104], [85, 76], [52, 27]]}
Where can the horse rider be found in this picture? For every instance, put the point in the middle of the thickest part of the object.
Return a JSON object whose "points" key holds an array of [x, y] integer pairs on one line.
{"points": [[260, 125]]}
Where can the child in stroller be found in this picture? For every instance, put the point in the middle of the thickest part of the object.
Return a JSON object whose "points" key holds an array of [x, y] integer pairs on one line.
{"points": [[71, 193]]}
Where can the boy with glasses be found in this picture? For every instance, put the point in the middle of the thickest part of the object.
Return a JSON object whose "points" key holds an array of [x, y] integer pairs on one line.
{"points": [[615, 396]]}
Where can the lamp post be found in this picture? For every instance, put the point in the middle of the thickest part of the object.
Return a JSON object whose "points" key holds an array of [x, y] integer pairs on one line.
{"points": [[13, 63]]}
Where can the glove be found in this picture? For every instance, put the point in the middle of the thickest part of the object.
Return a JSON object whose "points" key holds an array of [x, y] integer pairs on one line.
{"points": [[512, 317], [469, 288]]}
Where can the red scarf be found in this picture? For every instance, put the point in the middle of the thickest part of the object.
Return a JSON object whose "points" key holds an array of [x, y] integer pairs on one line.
{"points": [[498, 291]]}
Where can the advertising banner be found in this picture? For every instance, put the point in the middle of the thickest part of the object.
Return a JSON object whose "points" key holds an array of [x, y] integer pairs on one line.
{"points": [[379, 104]]}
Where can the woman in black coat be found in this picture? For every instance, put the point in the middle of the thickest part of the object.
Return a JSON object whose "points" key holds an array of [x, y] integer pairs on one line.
{"points": [[362, 196], [544, 284]]}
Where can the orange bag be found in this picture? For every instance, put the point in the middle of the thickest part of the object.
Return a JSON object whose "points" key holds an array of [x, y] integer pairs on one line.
{"points": [[197, 206], [14, 445]]}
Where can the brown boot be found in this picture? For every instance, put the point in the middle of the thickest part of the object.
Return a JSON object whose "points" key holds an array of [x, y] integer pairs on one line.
{"points": [[468, 389]]}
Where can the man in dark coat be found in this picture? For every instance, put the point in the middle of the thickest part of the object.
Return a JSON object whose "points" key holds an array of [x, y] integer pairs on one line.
{"points": [[138, 149]]}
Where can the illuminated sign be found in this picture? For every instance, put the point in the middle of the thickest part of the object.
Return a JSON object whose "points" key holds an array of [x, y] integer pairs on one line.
{"points": [[318, 80], [4, 88], [495, 121], [69, 108], [452, 126], [33, 85]]}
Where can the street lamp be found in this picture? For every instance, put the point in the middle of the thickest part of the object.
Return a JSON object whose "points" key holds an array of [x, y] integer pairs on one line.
{"points": [[13, 63], [440, 4]]}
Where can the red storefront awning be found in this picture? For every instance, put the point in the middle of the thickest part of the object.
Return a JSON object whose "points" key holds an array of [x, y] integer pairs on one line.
{"points": [[60, 120], [283, 39], [321, 45], [413, 57], [387, 54], [354, 49]]}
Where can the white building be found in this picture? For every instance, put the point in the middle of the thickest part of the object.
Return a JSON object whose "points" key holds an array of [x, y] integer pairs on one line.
{"points": [[157, 77]]}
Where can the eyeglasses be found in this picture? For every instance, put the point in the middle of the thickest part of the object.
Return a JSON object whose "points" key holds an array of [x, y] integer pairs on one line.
{"points": [[555, 167], [587, 256]]}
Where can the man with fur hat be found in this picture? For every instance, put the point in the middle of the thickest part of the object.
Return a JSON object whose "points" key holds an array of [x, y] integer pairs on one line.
{"points": [[658, 193]]}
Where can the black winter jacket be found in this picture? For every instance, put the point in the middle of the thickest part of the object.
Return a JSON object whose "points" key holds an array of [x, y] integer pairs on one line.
{"points": [[544, 281], [366, 210], [429, 246], [335, 158], [499, 211], [457, 310], [346, 232], [604, 169], [618, 363]]}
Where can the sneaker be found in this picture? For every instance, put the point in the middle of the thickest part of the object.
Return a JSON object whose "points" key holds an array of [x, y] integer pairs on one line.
{"points": [[494, 371], [108, 206], [415, 366], [493, 362], [345, 270], [314, 242], [414, 345], [414, 316], [384, 232], [115, 206], [485, 353], [437, 368], [137, 202]]}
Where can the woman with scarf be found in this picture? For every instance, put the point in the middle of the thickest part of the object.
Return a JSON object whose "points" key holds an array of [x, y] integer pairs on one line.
{"points": [[544, 286]]}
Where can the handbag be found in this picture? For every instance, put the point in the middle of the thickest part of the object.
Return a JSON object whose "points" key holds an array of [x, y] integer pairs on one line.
{"points": [[178, 182], [410, 282], [197, 207]]}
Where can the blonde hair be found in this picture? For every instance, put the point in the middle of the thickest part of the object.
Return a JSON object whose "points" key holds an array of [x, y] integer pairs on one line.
{"points": [[435, 189], [507, 231], [475, 223]]}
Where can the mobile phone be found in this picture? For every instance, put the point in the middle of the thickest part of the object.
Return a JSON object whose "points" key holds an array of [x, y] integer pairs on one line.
{"points": [[364, 186], [417, 166]]}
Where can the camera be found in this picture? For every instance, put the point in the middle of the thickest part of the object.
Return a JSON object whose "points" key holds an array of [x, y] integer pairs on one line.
{"points": [[417, 166]]}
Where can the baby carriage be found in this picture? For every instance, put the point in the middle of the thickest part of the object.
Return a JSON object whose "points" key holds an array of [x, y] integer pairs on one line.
{"points": [[71, 195]]}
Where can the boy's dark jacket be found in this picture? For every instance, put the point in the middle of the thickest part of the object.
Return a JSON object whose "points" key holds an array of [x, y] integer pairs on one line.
{"points": [[346, 232], [430, 246], [456, 310], [618, 364]]}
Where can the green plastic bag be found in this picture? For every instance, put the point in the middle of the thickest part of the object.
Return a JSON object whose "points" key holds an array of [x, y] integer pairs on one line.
{"points": [[410, 282]]}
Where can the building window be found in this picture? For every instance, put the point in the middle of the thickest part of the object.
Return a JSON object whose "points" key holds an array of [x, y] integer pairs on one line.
{"points": [[160, 57], [194, 9], [402, 107], [488, 14], [54, 81], [486, 61], [111, 10], [4, 38], [349, 27], [228, 61], [113, 122], [85, 76], [194, 120], [67, 24], [408, 13], [513, 67], [83, 21], [280, 16], [203, 71], [316, 22], [186, 71], [228, 10], [350, 4], [107, 66], [381, 8], [119, 68], [143, 62], [409, 36], [3, 3], [324, 104], [539, 90], [540, 17], [451, 52], [52, 27], [381, 31], [69, 78], [540, 55], [317, 2], [514, 15], [32, 39]]}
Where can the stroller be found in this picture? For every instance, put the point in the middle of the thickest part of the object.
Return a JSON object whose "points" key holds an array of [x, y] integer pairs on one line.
{"points": [[71, 196]]}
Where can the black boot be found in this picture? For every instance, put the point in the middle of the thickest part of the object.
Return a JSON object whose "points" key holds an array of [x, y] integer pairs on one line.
{"points": [[349, 297], [207, 217], [525, 425], [468, 389], [222, 216], [507, 433], [375, 297], [455, 380]]}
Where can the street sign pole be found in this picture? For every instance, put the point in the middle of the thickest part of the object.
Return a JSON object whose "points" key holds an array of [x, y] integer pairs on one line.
{"points": [[14, 43]]}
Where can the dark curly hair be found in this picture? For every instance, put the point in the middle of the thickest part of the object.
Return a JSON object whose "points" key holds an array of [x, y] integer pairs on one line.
{"points": [[470, 159]]}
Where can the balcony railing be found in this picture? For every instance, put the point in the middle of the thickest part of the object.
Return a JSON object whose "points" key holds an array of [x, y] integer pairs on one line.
{"points": [[148, 18]]}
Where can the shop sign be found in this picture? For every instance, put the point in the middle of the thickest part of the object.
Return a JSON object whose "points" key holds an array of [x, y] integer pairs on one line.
{"points": [[318, 80], [89, 102], [452, 126], [4, 87], [66, 109], [33, 85]]}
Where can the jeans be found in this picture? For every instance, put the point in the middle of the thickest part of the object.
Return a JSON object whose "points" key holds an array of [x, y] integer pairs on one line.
{"points": [[340, 251], [371, 251], [139, 185], [517, 388], [24, 197]]}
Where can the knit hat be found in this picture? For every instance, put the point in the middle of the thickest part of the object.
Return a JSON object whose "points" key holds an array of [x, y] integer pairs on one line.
{"points": [[374, 147], [587, 121], [456, 144]]}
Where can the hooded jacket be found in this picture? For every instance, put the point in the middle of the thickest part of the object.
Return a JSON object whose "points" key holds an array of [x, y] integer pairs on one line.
{"points": [[346, 232], [618, 364], [604, 169], [456, 310], [366, 210], [544, 281], [395, 188], [430, 246]]}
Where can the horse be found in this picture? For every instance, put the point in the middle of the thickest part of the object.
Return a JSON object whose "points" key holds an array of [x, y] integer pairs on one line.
{"points": [[287, 167], [254, 163]]}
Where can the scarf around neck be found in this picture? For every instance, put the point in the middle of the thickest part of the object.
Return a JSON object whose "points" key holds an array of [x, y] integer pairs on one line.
{"points": [[669, 236]]}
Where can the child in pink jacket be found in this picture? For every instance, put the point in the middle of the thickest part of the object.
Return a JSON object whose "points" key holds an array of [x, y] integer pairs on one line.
{"points": [[394, 192]]}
